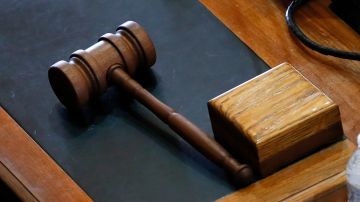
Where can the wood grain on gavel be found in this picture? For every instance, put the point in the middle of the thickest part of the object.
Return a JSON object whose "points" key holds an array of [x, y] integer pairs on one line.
{"points": [[114, 59]]}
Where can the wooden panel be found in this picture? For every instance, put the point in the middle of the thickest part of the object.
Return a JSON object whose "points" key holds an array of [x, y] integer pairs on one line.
{"points": [[261, 25], [278, 112], [6, 194], [29, 171], [317, 177], [328, 190]]}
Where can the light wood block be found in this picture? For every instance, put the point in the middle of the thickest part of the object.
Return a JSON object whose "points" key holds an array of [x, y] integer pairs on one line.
{"points": [[29, 171], [319, 177], [275, 119]]}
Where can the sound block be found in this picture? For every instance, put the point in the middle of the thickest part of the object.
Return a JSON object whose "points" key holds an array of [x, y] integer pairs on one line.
{"points": [[274, 119]]}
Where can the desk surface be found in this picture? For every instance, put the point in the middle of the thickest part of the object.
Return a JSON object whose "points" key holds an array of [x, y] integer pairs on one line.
{"points": [[118, 151], [337, 78]]}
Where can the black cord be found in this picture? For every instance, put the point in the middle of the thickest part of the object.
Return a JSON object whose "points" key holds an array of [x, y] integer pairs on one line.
{"points": [[310, 43]]}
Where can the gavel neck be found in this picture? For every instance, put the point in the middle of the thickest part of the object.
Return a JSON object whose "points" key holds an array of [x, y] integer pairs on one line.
{"points": [[118, 76]]}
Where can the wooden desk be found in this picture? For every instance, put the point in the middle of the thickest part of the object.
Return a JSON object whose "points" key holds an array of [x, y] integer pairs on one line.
{"points": [[192, 64], [261, 25]]}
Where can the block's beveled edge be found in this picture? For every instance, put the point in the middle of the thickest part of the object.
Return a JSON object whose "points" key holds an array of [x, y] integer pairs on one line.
{"points": [[324, 118], [238, 145]]}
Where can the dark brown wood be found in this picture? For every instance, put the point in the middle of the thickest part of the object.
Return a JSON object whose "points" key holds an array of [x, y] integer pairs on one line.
{"points": [[85, 75], [261, 25], [114, 59], [29, 171]]}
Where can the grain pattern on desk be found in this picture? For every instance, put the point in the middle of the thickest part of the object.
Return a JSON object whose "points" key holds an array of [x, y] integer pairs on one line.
{"points": [[313, 178], [261, 25], [332, 189], [29, 171]]}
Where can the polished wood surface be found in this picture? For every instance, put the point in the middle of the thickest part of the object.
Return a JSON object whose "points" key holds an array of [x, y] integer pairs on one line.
{"points": [[319, 177], [261, 25], [29, 171], [85, 75], [332, 189], [281, 116]]}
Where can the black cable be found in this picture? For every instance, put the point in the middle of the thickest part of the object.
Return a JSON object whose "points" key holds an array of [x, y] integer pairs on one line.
{"points": [[310, 43]]}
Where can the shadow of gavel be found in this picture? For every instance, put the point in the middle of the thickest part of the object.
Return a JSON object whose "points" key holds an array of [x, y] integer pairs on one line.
{"points": [[115, 59]]}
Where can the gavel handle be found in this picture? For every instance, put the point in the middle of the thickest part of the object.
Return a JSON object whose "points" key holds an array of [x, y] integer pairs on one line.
{"points": [[241, 174]]}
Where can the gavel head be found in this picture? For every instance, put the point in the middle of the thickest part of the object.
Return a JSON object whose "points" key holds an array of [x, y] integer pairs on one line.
{"points": [[86, 74]]}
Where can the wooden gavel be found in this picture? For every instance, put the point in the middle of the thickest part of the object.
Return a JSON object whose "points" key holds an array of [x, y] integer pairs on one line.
{"points": [[115, 59]]}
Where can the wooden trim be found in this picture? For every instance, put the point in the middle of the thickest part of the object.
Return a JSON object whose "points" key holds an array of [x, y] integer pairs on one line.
{"points": [[29, 171], [314, 178], [323, 190], [16, 185]]}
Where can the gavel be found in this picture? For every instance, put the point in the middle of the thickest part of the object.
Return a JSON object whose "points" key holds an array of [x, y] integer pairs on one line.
{"points": [[114, 60]]}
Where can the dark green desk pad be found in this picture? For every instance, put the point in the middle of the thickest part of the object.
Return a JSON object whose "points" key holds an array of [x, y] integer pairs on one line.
{"points": [[117, 150]]}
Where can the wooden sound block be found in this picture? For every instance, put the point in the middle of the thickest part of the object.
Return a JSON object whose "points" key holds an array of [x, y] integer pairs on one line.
{"points": [[275, 119]]}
